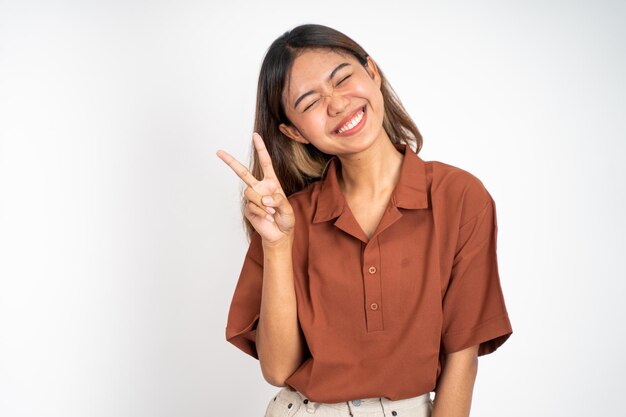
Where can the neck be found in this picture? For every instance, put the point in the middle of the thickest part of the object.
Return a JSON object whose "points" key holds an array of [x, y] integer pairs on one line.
{"points": [[373, 172]]}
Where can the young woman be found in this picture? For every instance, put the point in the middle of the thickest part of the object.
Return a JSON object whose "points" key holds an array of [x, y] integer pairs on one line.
{"points": [[371, 279]]}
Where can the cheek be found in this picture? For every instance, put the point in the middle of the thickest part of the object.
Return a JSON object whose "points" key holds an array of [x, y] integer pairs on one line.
{"points": [[313, 122], [318, 118], [368, 89]]}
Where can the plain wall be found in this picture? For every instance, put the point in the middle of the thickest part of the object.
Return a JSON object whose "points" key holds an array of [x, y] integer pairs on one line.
{"points": [[121, 238]]}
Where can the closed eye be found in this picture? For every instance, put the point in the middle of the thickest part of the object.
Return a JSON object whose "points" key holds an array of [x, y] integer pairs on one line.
{"points": [[309, 106], [343, 79], [338, 84]]}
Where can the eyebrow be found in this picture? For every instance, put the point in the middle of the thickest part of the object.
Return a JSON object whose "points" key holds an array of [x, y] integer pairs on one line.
{"points": [[330, 77]]}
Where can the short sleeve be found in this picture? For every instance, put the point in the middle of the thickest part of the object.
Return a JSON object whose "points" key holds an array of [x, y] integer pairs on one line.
{"points": [[474, 311], [245, 306]]}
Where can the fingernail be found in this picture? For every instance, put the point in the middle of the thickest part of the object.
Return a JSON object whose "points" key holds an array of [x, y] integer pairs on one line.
{"points": [[267, 200], [270, 209]]}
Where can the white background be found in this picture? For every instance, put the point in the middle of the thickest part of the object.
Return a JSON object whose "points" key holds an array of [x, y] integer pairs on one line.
{"points": [[120, 234]]}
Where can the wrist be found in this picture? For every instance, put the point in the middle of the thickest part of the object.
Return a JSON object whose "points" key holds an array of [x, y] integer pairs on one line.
{"points": [[283, 244]]}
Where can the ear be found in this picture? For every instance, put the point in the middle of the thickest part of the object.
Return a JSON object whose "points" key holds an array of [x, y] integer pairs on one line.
{"points": [[372, 70], [292, 133]]}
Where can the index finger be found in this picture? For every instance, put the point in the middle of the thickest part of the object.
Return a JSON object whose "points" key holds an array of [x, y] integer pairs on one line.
{"points": [[264, 157], [241, 171]]}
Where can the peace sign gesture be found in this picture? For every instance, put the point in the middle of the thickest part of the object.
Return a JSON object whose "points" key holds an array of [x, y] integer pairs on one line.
{"points": [[268, 208]]}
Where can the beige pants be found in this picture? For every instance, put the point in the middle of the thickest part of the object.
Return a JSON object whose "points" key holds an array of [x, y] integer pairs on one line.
{"points": [[290, 403]]}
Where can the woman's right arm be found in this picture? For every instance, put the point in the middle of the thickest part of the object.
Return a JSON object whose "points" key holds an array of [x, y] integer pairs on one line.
{"points": [[279, 340]]}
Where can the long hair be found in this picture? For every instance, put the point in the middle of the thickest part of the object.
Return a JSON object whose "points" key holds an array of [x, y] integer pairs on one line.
{"points": [[296, 164]]}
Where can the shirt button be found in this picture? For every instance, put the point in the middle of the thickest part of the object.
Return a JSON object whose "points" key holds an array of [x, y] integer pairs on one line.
{"points": [[372, 270], [356, 402], [374, 306]]}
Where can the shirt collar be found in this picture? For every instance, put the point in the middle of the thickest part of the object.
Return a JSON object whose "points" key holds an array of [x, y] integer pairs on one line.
{"points": [[410, 191]]}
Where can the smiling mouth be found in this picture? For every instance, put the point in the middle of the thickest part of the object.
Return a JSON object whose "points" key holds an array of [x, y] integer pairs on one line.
{"points": [[353, 124]]}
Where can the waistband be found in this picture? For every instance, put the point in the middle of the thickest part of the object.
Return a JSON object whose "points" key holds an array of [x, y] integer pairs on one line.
{"points": [[362, 405]]}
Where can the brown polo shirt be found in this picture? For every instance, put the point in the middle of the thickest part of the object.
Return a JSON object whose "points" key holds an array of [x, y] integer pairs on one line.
{"points": [[379, 314]]}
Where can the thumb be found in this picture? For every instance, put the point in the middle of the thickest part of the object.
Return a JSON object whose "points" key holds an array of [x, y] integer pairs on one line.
{"points": [[278, 201]]}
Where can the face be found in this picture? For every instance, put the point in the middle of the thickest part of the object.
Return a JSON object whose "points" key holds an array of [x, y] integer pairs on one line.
{"points": [[333, 102]]}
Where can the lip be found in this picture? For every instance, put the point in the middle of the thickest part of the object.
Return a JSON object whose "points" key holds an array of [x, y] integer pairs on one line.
{"points": [[349, 117]]}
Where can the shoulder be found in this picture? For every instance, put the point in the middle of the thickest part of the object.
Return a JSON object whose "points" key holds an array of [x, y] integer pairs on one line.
{"points": [[457, 189], [306, 197]]}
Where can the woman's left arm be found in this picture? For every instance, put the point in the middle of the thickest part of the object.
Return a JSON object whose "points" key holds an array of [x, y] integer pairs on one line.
{"points": [[453, 397]]}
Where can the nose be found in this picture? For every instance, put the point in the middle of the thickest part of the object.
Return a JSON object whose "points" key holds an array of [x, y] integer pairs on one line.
{"points": [[337, 103]]}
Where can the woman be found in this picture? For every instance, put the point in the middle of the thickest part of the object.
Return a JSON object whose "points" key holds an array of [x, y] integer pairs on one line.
{"points": [[371, 278]]}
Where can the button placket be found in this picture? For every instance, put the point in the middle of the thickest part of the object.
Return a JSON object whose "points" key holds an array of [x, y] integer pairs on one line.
{"points": [[372, 285]]}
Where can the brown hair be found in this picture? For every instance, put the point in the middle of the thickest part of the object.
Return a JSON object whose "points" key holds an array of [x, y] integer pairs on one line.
{"points": [[296, 164]]}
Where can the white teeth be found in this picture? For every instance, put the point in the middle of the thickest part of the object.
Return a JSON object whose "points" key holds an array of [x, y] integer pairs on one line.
{"points": [[351, 123]]}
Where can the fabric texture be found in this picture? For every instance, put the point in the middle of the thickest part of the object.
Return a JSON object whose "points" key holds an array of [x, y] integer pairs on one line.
{"points": [[290, 403], [380, 314]]}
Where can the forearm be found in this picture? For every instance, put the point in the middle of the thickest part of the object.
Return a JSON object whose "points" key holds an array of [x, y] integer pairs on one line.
{"points": [[280, 343], [454, 392]]}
